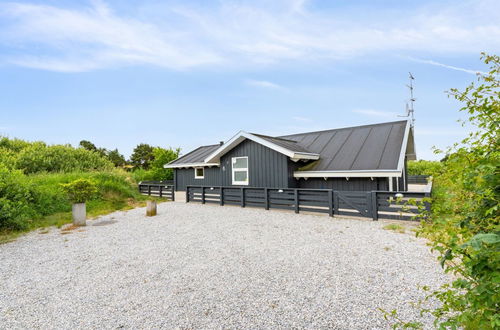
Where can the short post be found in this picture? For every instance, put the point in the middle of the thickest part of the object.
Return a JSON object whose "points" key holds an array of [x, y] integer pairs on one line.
{"points": [[187, 194], [150, 208], [266, 198], [79, 212], [336, 203], [330, 203], [202, 195], [161, 188], [296, 200], [172, 190], [374, 205], [242, 197], [221, 196], [149, 190]]}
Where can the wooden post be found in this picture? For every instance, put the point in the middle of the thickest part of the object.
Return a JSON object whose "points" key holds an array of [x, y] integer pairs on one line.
{"points": [[242, 197], [161, 188], [149, 190], [296, 200], [221, 196], [374, 205], [336, 205], [151, 208], [266, 198], [187, 194], [172, 190], [202, 195], [330, 203]]}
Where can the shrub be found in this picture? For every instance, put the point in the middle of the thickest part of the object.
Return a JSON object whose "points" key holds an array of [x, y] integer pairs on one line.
{"points": [[424, 167], [38, 157], [80, 191], [16, 195]]}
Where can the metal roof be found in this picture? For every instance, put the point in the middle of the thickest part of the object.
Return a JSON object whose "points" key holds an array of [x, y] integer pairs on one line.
{"points": [[369, 147], [361, 148], [196, 156], [285, 143]]}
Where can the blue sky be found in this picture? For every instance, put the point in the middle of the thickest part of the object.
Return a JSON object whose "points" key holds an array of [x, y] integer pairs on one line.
{"points": [[187, 73]]}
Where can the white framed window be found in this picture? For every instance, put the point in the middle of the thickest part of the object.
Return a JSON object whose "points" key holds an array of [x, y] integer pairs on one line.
{"points": [[239, 170], [199, 172]]}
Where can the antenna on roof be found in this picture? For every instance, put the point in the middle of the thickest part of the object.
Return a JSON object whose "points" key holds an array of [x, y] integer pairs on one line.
{"points": [[409, 103]]}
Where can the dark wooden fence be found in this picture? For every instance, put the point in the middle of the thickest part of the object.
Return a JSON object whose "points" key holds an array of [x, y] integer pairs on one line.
{"points": [[372, 204], [418, 179], [157, 188]]}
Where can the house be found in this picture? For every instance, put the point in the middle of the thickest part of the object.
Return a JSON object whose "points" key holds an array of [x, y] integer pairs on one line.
{"points": [[361, 158]]}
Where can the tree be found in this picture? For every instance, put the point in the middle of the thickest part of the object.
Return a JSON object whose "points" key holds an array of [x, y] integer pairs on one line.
{"points": [[161, 157], [142, 156], [88, 145], [116, 158], [92, 147]]}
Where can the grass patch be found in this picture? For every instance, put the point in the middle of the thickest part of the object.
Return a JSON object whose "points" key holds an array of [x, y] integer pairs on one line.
{"points": [[47, 205], [395, 227]]}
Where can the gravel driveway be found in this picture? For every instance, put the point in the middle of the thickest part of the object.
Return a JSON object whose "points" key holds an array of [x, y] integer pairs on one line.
{"points": [[206, 266]]}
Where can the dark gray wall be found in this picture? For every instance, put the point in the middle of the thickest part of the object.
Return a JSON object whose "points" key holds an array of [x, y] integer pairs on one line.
{"points": [[353, 184], [185, 177], [266, 167]]}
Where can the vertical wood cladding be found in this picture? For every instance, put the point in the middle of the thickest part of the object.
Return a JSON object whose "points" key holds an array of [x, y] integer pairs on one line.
{"points": [[266, 167]]}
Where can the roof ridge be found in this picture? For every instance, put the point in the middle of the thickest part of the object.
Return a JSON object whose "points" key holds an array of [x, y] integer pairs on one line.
{"points": [[341, 128]]}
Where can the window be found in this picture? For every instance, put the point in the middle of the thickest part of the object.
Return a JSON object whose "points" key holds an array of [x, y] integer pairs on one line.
{"points": [[199, 173], [240, 170]]}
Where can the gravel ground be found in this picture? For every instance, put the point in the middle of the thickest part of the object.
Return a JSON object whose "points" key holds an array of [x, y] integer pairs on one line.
{"points": [[206, 266]]}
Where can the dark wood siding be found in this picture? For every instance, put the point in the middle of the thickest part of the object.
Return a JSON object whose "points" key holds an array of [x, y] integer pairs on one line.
{"points": [[266, 167], [353, 184], [185, 176]]}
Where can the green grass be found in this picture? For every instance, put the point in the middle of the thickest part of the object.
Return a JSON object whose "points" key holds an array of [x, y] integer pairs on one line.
{"points": [[395, 227], [49, 206]]}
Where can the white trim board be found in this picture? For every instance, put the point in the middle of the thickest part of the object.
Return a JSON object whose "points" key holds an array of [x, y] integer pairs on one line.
{"points": [[347, 174], [188, 165], [242, 135]]}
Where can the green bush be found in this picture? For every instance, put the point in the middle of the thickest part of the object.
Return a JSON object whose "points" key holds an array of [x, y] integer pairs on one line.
{"points": [[424, 167], [80, 190], [16, 197], [38, 157]]}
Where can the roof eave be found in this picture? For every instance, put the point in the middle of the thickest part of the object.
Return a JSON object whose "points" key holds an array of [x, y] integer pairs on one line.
{"points": [[348, 174], [187, 165]]}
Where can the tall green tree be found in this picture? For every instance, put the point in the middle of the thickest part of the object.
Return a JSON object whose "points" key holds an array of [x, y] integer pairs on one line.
{"points": [[116, 157], [161, 157], [142, 156]]}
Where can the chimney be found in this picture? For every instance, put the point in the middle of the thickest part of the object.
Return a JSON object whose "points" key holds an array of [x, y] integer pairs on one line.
{"points": [[221, 142]]}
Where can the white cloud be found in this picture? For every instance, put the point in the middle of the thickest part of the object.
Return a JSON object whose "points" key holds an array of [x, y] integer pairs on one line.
{"points": [[264, 84], [235, 34], [376, 113], [446, 66]]}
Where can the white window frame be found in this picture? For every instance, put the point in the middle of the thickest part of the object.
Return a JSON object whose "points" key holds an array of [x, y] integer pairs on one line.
{"points": [[233, 170], [196, 174]]}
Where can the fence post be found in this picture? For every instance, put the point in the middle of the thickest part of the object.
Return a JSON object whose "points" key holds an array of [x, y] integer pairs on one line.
{"points": [[266, 196], [374, 207], [336, 206], [202, 195], [187, 194], [242, 197], [149, 190], [221, 196], [161, 187], [172, 190], [330, 203], [296, 200]]}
